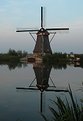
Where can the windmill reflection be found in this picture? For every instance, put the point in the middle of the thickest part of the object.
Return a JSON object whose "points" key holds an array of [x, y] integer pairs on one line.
{"points": [[42, 74], [42, 78]]}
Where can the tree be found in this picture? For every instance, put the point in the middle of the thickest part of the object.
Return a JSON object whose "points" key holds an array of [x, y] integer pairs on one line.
{"points": [[12, 52]]}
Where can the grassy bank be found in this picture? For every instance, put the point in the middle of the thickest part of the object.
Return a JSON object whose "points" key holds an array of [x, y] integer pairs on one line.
{"points": [[55, 58], [12, 56], [9, 58]]}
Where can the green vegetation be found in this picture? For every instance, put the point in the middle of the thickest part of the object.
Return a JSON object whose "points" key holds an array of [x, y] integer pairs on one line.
{"points": [[12, 56], [67, 111], [63, 58], [7, 58], [55, 58]]}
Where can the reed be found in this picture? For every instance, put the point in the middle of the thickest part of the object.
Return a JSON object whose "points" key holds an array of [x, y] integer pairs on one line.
{"points": [[67, 111]]}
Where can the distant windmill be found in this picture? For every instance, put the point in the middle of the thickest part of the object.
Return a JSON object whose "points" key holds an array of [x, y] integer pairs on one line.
{"points": [[42, 46]]}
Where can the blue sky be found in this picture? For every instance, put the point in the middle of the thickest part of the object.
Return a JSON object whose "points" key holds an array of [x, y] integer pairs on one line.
{"points": [[26, 13]]}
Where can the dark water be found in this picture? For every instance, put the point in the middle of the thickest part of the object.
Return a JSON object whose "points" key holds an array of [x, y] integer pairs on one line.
{"points": [[43, 84]]}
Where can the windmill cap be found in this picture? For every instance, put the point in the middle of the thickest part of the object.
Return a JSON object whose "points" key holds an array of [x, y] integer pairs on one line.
{"points": [[42, 31]]}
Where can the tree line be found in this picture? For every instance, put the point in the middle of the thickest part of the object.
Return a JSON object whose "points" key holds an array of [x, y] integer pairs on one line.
{"points": [[12, 55], [62, 58]]}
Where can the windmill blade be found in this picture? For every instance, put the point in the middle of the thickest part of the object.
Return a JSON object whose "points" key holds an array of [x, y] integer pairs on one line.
{"points": [[26, 88], [57, 90], [41, 17], [52, 29], [27, 30]]}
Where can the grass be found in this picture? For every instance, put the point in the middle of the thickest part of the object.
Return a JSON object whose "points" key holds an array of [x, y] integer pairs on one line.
{"points": [[67, 111], [9, 58]]}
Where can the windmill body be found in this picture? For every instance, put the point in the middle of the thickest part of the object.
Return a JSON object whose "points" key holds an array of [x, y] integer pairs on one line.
{"points": [[42, 45]]}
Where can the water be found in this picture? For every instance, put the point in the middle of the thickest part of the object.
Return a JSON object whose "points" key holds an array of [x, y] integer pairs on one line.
{"points": [[32, 104]]}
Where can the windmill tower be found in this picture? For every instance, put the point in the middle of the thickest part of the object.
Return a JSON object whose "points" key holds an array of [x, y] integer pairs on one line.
{"points": [[42, 45]]}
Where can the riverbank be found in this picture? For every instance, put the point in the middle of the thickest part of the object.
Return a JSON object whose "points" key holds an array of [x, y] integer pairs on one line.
{"points": [[55, 58]]}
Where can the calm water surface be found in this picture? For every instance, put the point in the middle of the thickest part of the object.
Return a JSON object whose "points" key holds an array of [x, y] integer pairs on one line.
{"points": [[33, 104]]}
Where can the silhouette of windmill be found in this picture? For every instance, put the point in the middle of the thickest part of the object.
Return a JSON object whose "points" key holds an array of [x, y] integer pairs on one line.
{"points": [[42, 79], [42, 46]]}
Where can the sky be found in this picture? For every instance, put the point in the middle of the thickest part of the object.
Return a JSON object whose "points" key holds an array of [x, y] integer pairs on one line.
{"points": [[26, 14]]}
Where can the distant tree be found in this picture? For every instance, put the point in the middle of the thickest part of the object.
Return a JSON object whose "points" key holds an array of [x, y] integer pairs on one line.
{"points": [[19, 53], [12, 52], [25, 53]]}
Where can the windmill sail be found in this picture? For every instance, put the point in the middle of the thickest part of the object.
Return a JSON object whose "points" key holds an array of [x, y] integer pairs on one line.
{"points": [[49, 29], [26, 30], [41, 17]]}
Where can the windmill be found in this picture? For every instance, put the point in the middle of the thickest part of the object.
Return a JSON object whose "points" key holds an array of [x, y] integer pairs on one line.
{"points": [[42, 83], [42, 45]]}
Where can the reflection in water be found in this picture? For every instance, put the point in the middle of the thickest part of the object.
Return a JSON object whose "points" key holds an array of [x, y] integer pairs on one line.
{"points": [[13, 65], [42, 78], [42, 74], [32, 104], [60, 65]]}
